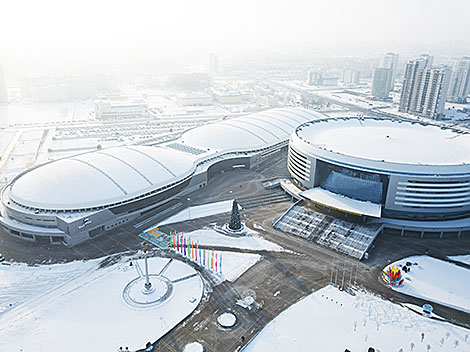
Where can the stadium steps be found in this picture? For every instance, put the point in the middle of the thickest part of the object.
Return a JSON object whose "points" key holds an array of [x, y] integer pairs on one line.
{"points": [[262, 200], [337, 234]]}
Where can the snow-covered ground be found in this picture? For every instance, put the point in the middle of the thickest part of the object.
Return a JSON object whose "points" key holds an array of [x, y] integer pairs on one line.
{"points": [[210, 237], [331, 320], [235, 264], [89, 312], [20, 282], [199, 211], [436, 280], [24, 114], [461, 258], [5, 138]]}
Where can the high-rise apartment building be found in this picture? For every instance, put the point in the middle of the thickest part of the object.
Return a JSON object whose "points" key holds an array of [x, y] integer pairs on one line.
{"points": [[350, 76], [3, 89], [381, 83], [214, 67], [390, 60], [424, 89], [314, 78], [427, 60], [459, 86]]}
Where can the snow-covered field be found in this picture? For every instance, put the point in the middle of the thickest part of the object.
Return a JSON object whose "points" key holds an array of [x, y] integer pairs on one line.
{"points": [[461, 258], [5, 138], [235, 264], [331, 320], [20, 282], [18, 114], [89, 312], [199, 211], [437, 281], [210, 237]]}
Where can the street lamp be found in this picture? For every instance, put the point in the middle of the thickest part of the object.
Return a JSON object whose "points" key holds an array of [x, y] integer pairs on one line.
{"points": [[189, 208], [148, 284]]}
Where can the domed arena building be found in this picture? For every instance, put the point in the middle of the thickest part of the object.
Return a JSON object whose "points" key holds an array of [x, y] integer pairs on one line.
{"points": [[411, 176], [73, 199]]}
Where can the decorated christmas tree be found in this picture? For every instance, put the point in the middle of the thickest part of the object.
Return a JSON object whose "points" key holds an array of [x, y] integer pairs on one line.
{"points": [[235, 223]]}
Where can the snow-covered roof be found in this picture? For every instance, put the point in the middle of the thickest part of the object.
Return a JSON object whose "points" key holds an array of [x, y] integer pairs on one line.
{"points": [[118, 174], [249, 132], [99, 178], [388, 140], [342, 203]]}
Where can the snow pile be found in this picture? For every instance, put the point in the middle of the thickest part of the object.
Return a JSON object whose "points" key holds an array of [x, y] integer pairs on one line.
{"points": [[210, 237], [246, 302], [436, 280], [331, 320], [193, 347], [259, 226], [20, 282], [92, 308], [199, 211], [461, 258]]}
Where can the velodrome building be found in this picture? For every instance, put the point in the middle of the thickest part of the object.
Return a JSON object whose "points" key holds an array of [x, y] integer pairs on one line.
{"points": [[76, 198], [412, 176]]}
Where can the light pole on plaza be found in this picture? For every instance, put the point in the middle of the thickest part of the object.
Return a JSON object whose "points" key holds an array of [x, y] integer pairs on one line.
{"points": [[148, 284], [189, 208]]}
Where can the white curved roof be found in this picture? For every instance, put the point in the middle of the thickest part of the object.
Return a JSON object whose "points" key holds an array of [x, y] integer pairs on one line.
{"points": [[118, 174], [98, 178], [387, 140], [249, 132]]}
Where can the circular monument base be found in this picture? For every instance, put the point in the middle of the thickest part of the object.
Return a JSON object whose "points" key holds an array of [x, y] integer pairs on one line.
{"points": [[193, 347], [227, 320], [229, 231], [137, 295]]}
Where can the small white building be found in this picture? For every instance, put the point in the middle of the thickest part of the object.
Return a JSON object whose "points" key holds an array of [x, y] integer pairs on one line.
{"points": [[193, 99], [118, 110], [227, 97]]}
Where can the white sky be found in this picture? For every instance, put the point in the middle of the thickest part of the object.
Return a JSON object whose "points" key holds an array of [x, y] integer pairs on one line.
{"points": [[93, 31]]}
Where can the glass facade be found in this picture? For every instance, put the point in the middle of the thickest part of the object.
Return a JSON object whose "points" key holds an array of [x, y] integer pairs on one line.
{"points": [[353, 187], [360, 185]]}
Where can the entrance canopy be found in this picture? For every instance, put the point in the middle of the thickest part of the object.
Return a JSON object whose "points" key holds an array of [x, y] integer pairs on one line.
{"points": [[344, 204]]}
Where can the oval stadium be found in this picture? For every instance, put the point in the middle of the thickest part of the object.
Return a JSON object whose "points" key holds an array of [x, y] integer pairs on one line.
{"points": [[76, 198], [412, 176]]}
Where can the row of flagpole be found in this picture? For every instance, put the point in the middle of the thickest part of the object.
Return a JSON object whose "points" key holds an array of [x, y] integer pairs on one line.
{"points": [[201, 255]]}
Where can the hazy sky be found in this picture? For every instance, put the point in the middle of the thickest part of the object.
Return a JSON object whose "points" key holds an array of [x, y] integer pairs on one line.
{"points": [[102, 33]]}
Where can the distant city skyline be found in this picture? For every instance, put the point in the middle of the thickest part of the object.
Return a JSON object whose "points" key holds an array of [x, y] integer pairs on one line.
{"points": [[84, 36]]}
